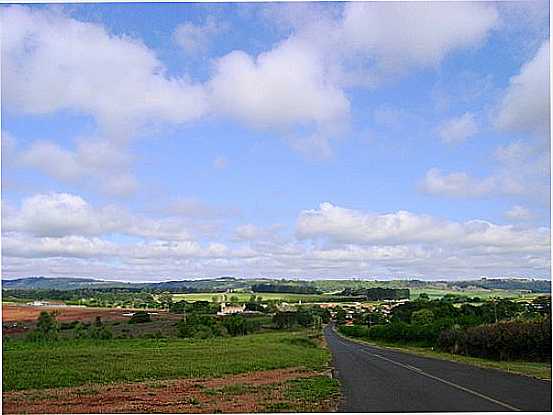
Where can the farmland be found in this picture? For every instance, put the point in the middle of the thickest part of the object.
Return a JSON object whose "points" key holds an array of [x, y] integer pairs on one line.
{"points": [[72, 363], [245, 296], [207, 372]]}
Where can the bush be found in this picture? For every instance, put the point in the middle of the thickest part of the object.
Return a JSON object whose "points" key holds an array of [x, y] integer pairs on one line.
{"points": [[46, 328], [140, 317], [506, 340], [198, 326], [354, 331]]}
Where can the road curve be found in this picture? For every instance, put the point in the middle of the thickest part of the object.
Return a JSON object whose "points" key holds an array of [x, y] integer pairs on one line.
{"points": [[384, 380]]}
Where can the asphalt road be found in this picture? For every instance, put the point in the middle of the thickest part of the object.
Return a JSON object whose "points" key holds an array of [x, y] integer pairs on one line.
{"points": [[383, 380]]}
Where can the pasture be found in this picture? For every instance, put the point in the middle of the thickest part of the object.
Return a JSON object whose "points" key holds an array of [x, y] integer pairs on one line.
{"points": [[28, 365], [437, 293], [242, 297]]}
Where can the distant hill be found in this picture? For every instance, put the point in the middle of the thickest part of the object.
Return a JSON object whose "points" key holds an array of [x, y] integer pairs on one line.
{"points": [[232, 283], [46, 283], [201, 285]]}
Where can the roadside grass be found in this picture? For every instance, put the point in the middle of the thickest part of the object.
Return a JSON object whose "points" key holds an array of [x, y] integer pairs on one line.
{"points": [[29, 365], [540, 370], [313, 389]]}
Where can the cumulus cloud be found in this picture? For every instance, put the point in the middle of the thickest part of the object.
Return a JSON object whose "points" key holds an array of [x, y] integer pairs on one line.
{"points": [[457, 130], [353, 227], [52, 62], [301, 82], [304, 79], [61, 214], [332, 241], [284, 86], [403, 35], [526, 104]]}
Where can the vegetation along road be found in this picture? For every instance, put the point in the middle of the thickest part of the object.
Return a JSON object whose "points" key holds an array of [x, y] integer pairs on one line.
{"points": [[381, 380]]}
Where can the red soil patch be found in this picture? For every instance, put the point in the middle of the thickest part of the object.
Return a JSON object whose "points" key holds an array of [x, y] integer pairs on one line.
{"points": [[12, 312], [251, 393]]}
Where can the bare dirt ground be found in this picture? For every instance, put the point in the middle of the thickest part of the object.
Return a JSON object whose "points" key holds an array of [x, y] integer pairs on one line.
{"points": [[25, 313], [252, 392]]}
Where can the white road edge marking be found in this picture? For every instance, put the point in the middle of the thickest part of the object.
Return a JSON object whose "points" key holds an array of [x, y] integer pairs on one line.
{"points": [[428, 375]]}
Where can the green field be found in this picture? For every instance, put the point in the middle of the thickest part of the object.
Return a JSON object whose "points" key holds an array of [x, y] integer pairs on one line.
{"points": [[433, 293], [436, 293], [29, 365], [244, 297]]}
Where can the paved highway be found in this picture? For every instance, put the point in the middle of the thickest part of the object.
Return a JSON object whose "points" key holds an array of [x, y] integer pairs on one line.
{"points": [[383, 380]]}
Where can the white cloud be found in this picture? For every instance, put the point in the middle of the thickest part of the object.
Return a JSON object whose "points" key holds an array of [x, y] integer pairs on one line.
{"points": [[457, 184], [303, 80], [335, 242], [457, 130], [53, 160], [99, 163], [52, 62], [194, 39], [522, 171], [526, 103], [348, 226], [281, 87], [61, 214], [403, 35]]}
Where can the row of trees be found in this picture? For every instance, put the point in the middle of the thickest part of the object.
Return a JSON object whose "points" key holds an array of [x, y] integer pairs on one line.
{"points": [[284, 288], [378, 293], [505, 340], [48, 329], [495, 329]]}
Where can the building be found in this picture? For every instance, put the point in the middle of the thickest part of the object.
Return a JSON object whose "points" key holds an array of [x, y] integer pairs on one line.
{"points": [[227, 309], [38, 303]]}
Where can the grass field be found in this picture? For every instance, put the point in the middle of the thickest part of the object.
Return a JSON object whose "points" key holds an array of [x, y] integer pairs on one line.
{"points": [[435, 293], [243, 297], [29, 365], [539, 370]]}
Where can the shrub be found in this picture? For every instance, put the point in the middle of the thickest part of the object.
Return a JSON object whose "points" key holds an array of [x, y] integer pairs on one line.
{"points": [[46, 328], [198, 326], [354, 331], [140, 317], [506, 340]]}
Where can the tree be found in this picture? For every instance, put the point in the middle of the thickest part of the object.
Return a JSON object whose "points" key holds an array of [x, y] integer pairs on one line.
{"points": [[423, 297], [422, 317], [140, 317], [340, 315], [46, 327], [166, 299], [236, 325]]}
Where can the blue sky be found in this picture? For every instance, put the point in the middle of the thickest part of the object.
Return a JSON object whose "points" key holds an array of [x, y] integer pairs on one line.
{"points": [[308, 140]]}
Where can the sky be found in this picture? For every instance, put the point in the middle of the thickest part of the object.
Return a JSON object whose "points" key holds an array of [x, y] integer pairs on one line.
{"points": [[146, 142]]}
